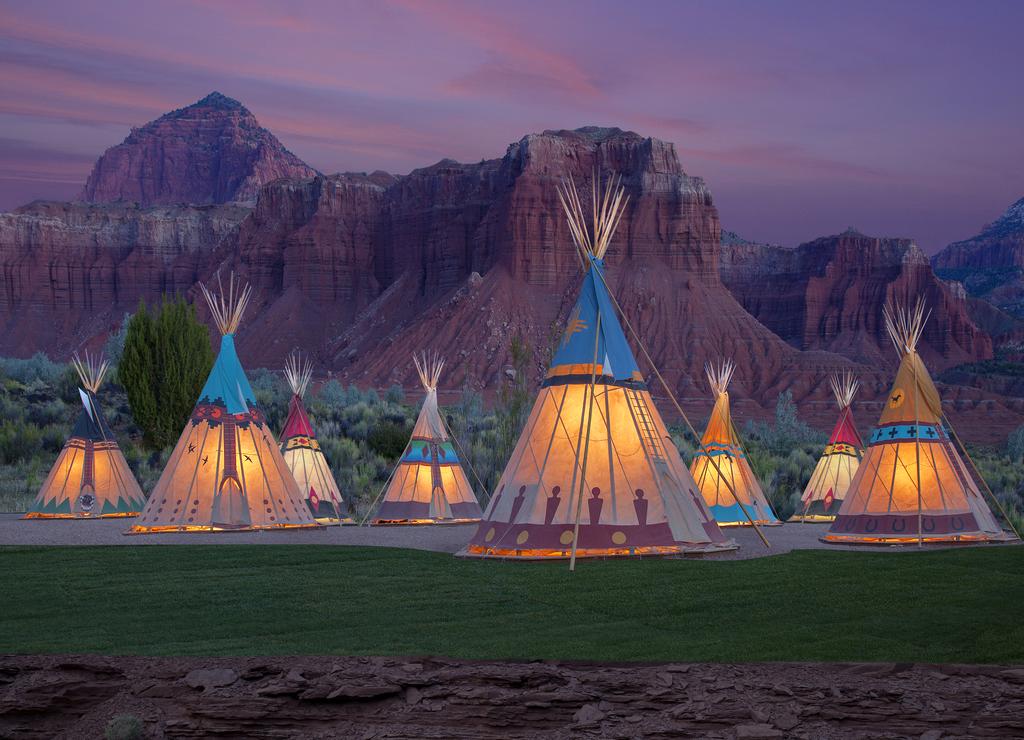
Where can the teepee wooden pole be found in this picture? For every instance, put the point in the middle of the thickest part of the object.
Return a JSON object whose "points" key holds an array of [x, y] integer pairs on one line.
{"points": [[586, 445], [980, 478], [682, 413], [917, 456]]}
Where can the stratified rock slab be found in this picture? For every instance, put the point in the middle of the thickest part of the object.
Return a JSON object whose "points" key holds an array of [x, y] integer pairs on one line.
{"points": [[329, 697]]}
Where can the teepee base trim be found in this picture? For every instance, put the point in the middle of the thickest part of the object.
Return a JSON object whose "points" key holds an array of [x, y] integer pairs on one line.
{"points": [[114, 515], [402, 511], [505, 539], [174, 528], [903, 528], [679, 549], [733, 516]]}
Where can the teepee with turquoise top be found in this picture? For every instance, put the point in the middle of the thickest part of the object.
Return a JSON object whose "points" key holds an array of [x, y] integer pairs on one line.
{"points": [[226, 472]]}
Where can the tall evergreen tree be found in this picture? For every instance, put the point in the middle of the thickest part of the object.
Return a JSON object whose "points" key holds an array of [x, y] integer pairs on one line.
{"points": [[167, 358]]}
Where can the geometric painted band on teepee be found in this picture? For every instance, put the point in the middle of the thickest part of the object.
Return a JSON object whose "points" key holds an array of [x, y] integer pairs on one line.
{"points": [[903, 432]]}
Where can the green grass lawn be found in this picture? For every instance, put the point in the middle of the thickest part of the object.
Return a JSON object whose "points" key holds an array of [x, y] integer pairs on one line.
{"points": [[945, 606]]}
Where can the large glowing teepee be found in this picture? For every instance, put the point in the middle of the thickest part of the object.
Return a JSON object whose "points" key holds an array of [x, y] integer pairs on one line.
{"points": [[595, 472], [302, 453], [91, 478], [912, 485], [745, 501], [226, 472], [429, 485], [836, 467]]}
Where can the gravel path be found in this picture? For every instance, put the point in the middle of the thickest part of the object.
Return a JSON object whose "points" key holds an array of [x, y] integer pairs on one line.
{"points": [[447, 538]]}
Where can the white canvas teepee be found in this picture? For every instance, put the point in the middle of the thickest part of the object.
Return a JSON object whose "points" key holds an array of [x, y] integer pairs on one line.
{"points": [[838, 463], [429, 485], [913, 484], [90, 479], [226, 472], [302, 453], [728, 484], [595, 472]]}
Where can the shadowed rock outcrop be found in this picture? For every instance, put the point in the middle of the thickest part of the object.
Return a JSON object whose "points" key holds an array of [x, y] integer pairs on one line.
{"points": [[73, 697]]}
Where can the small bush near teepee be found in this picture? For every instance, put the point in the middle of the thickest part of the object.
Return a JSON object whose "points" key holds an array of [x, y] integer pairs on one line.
{"points": [[388, 439], [125, 727], [167, 358]]}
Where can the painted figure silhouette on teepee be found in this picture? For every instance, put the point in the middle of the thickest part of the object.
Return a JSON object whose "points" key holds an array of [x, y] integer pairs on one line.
{"points": [[226, 472], [838, 463], [728, 484], [595, 472], [301, 450], [913, 484], [90, 478], [429, 485]]}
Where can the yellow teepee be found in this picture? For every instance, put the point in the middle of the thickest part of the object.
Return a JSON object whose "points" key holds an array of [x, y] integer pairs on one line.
{"points": [[226, 472], [90, 478], [429, 485], [746, 500], [301, 451], [595, 471], [838, 463], [912, 485]]}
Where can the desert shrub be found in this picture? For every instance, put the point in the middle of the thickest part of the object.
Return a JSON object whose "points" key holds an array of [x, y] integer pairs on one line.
{"points": [[166, 360], [124, 727], [1015, 445], [388, 439]]}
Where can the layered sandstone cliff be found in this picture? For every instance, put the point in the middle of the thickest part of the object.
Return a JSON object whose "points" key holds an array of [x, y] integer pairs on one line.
{"points": [[213, 151], [828, 295], [991, 264], [71, 270], [361, 270]]}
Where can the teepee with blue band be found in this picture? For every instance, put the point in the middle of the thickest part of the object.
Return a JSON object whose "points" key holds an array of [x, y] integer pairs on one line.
{"points": [[595, 472], [226, 472]]}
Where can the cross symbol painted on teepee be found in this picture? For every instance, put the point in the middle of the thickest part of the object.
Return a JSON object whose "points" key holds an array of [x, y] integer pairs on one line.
{"points": [[912, 431], [931, 431], [893, 432]]}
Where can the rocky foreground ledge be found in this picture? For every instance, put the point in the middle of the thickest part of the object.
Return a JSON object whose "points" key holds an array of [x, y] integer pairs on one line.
{"points": [[310, 697]]}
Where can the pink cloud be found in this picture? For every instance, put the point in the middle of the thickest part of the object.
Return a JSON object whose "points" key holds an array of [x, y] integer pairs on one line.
{"points": [[514, 58]]}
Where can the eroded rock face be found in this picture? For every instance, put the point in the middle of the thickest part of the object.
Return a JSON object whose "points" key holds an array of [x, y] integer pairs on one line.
{"points": [[991, 264], [828, 295], [71, 270], [70, 697], [361, 270], [213, 151]]}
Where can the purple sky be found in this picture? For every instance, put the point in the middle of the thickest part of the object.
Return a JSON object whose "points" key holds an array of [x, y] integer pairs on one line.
{"points": [[902, 119]]}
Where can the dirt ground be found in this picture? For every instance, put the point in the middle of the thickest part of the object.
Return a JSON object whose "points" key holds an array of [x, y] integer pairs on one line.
{"points": [[446, 538], [76, 696]]}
